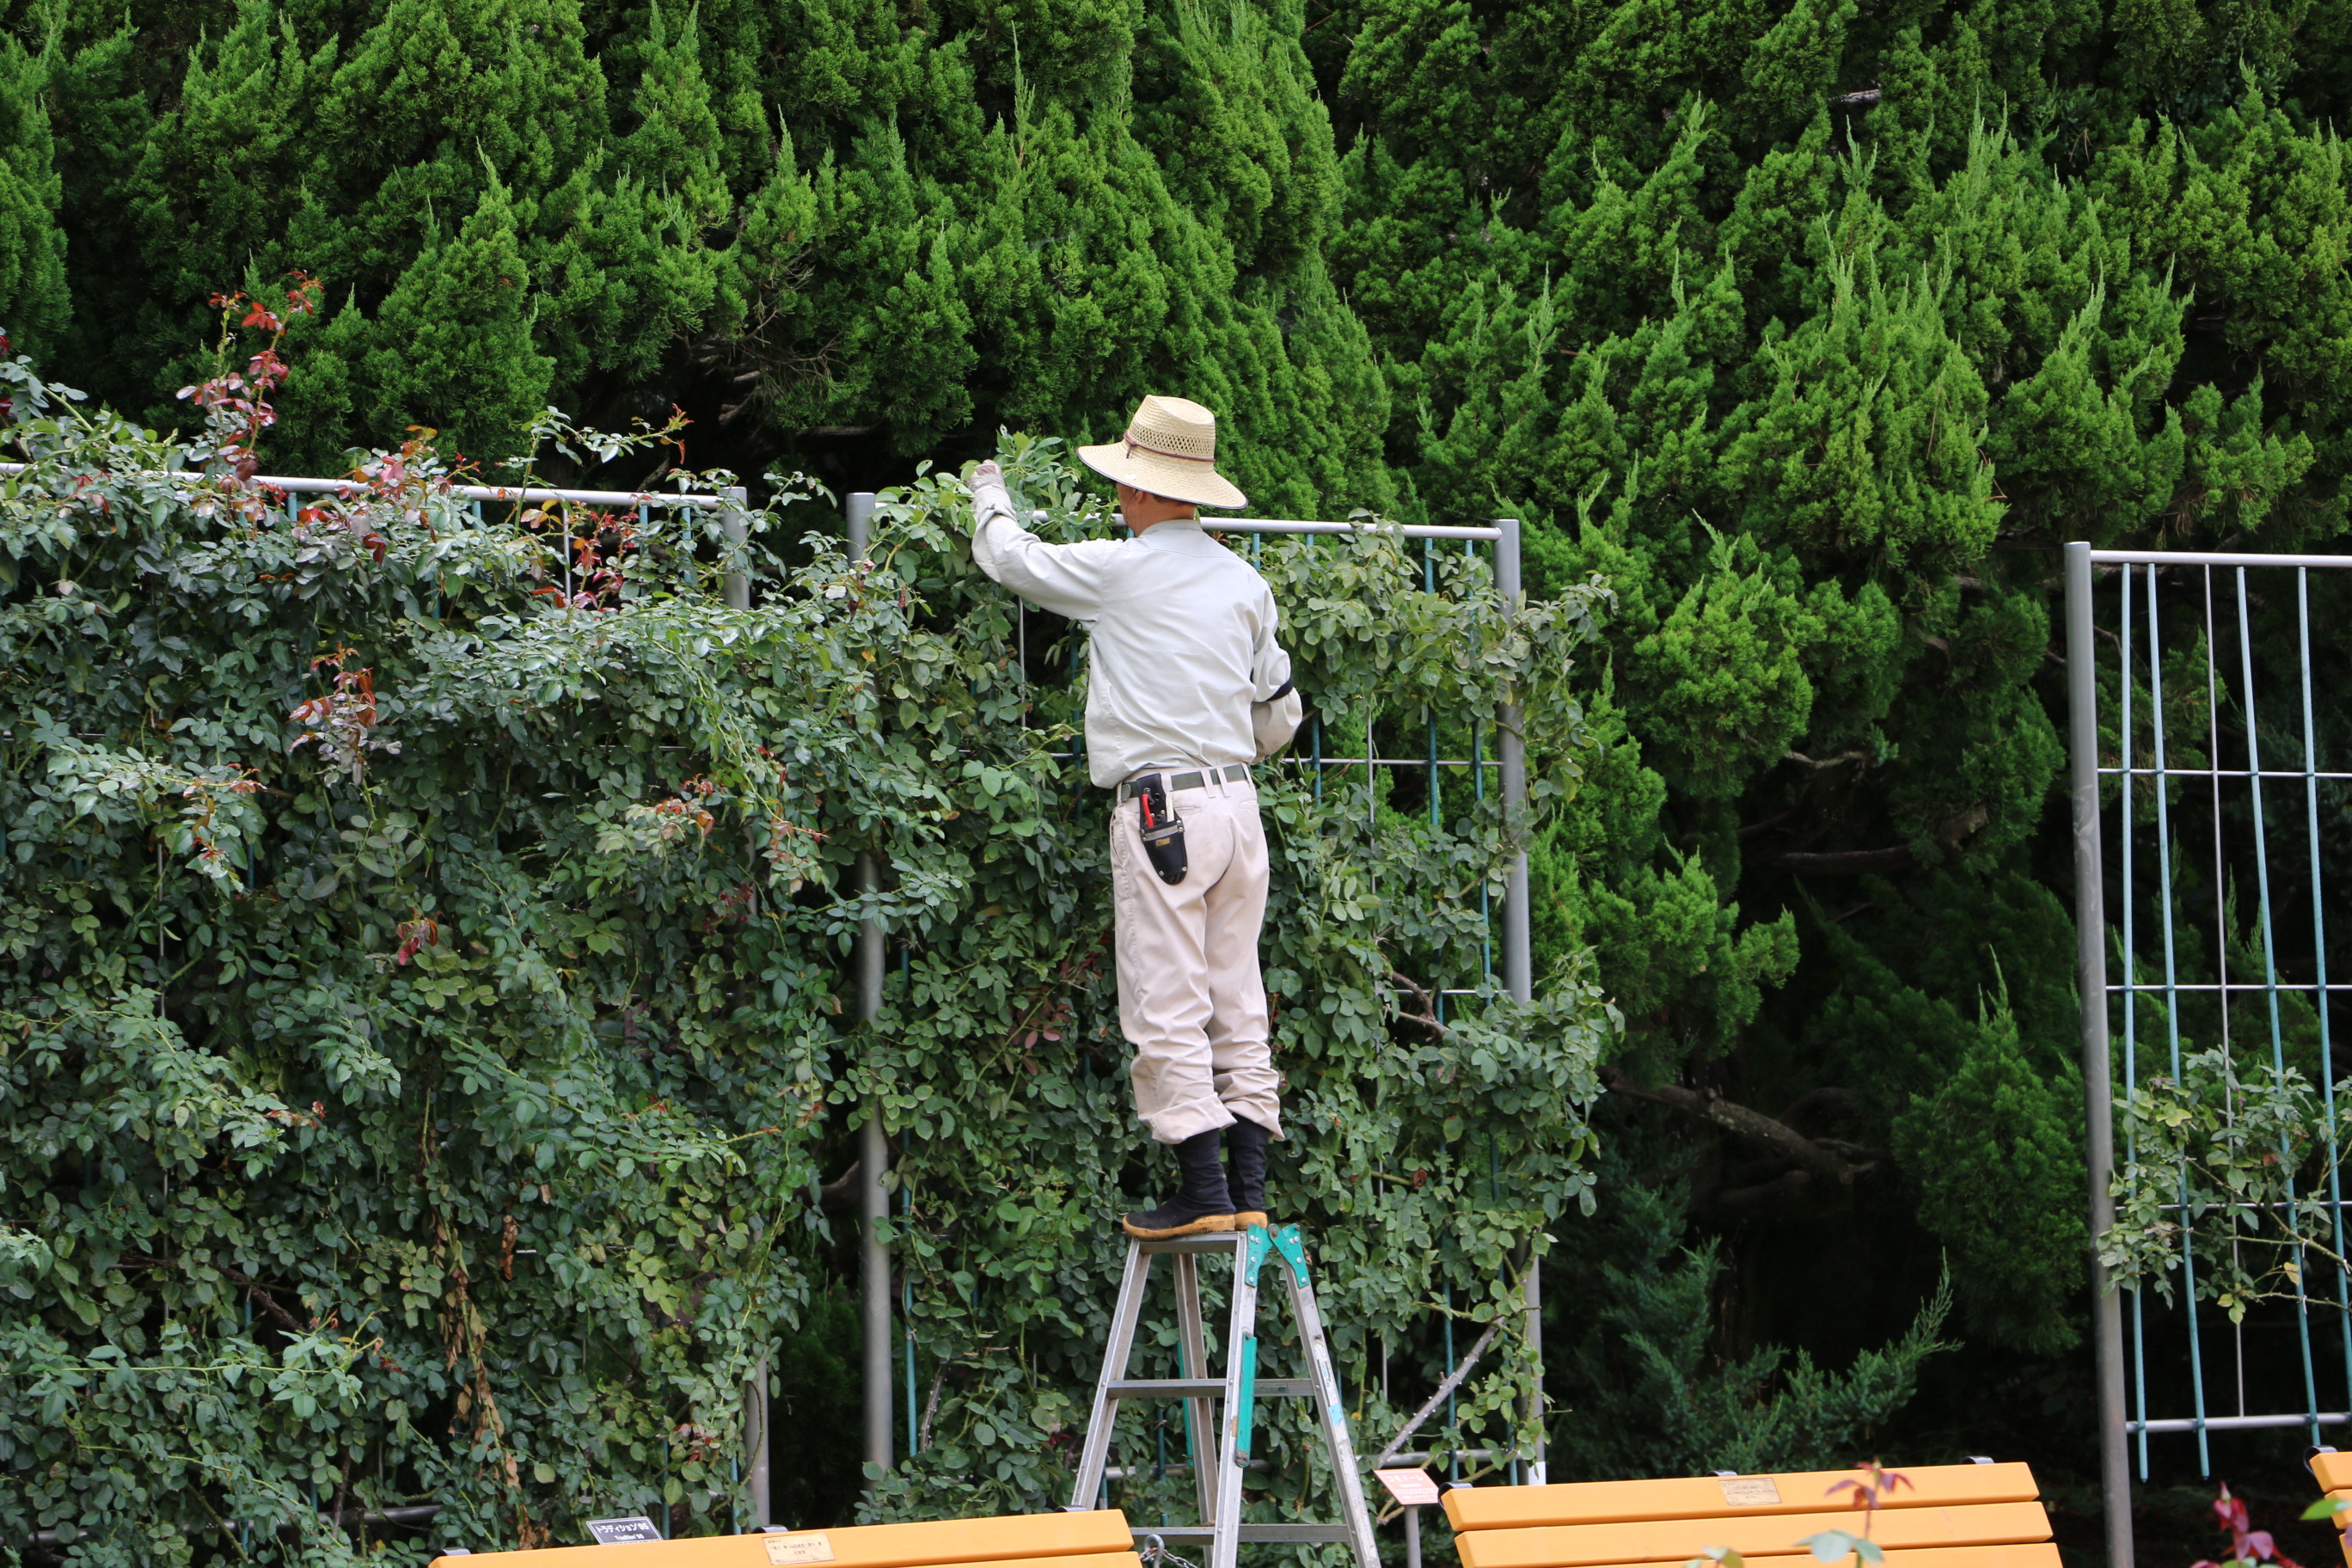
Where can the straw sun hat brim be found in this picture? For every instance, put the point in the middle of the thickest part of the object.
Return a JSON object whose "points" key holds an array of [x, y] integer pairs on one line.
{"points": [[1177, 479]]}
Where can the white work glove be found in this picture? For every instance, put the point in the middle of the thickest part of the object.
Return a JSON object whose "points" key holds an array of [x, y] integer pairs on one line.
{"points": [[1273, 721], [989, 496]]}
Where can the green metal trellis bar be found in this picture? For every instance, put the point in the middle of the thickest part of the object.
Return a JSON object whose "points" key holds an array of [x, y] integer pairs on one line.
{"points": [[2270, 958], [2319, 948], [2171, 985], [2143, 760]]}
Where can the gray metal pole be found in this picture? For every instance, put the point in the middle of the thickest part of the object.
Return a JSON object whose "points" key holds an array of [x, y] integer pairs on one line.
{"points": [[872, 1146], [2090, 970], [733, 505], [1538, 1470], [1518, 976], [1411, 1536], [755, 1444], [739, 528], [1519, 959]]}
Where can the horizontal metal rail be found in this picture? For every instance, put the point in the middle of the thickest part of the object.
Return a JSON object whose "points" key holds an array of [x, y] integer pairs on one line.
{"points": [[295, 485], [2282, 987], [2218, 774], [2210, 558], [1285, 525], [1489, 764], [2237, 1423], [1293, 525], [300, 485]]}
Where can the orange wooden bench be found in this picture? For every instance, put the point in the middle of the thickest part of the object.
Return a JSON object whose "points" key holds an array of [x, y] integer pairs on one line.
{"points": [[1097, 1539], [2334, 1474], [1950, 1516]]}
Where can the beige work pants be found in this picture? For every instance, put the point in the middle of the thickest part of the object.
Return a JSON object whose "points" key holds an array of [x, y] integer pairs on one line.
{"points": [[1190, 999]]}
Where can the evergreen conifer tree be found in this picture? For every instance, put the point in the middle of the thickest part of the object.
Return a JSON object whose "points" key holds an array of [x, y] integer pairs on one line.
{"points": [[34, 301]]}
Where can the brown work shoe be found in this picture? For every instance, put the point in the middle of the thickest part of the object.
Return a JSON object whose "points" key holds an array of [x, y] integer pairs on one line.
{"points": [[1174, 1218]]}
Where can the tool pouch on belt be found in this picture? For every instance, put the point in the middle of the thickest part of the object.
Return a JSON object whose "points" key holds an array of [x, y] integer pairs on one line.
{"points": [[1163, 831]]}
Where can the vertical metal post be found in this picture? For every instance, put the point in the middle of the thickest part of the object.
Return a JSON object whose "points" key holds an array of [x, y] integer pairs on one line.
{"points": [[755, 1444], [906, 1321], [2162, 775], [872, 1146], [1510, 746], [1537, 1469], [739, 528], [1519, 960], [1411, 1536], [2091, 966]]}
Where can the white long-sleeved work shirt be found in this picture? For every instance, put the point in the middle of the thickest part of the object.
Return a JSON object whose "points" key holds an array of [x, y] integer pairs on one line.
{"points": [[1183, 635]]}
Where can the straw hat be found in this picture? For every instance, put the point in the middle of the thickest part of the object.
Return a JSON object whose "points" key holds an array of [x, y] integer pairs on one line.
{"points": [[1171, 450]]}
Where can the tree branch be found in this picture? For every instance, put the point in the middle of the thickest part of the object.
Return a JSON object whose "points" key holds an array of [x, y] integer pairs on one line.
{"points": [[1453, 1382], [931, 1406], [1427, 1016], [1824, 1160], [1846, 862], [268, 1303], [1819, 764]]}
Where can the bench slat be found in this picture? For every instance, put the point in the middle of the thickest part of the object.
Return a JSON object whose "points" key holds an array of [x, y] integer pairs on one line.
{"points": [[1752, 1535], [1096, 1539], [2339, 1495], [2039, 1554], [1700, 1497]]}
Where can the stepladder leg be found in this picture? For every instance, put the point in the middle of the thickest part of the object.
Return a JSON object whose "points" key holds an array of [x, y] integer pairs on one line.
{"points": [[1095, 1455], [1224, 1545], [1330, 1409], [1199, 1414]]}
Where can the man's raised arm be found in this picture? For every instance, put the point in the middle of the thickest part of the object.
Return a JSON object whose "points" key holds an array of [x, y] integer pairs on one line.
{"points": [[1067, 579], [1276, 707]]}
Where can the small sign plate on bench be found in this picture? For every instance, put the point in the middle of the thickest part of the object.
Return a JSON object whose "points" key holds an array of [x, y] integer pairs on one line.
{"points": [[1414, 1488], [1749, 1491], [815, 1546], [620, 1531]]}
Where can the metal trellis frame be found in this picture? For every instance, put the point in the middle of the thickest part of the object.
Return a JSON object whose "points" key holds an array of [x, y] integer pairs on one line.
{"points": [[876, 1277], [2191, 805]]}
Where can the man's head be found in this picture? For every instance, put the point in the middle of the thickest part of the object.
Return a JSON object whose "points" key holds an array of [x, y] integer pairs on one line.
{"points": [[1166, 463], [1140, 509]]}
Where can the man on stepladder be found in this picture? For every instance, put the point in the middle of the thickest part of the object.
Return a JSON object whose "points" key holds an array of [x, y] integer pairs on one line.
{"points": [[1189, 688]]}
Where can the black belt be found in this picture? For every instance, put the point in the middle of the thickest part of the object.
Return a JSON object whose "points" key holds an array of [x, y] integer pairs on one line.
{"points": [[1234, 774]]}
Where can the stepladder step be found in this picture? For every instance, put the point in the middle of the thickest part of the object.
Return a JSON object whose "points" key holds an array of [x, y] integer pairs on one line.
{"points": [[1210, 1388]]}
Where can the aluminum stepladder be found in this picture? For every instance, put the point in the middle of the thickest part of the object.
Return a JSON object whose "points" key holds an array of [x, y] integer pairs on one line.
{"points": [[1218, 1487]]}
